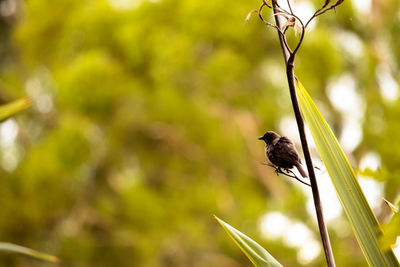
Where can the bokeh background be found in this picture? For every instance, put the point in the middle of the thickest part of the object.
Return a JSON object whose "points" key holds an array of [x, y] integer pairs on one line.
{"points": [[145, 121]]}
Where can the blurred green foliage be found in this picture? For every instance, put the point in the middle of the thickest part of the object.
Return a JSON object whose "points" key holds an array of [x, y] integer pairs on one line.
{"points": [[145, 123]]}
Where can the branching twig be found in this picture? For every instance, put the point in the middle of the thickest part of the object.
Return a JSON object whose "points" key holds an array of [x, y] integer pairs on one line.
{"points": [[288, 173], [324, 9], [277, 27], [290, 7], [287, 15]]}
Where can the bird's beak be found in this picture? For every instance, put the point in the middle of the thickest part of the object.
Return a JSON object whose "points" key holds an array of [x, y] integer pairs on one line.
{"points": [[260, 138]]}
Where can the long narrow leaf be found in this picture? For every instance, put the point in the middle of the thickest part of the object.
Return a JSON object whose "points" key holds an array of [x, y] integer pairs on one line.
{"points": [[364, 223], [10, 109], [257, 254], [8, 247]]}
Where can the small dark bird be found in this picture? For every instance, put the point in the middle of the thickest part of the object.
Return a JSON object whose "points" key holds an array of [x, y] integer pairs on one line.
{"points": [[281, 151]]}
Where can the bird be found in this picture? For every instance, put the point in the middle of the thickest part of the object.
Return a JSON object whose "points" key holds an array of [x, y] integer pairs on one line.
{"points": [[281, 152]]}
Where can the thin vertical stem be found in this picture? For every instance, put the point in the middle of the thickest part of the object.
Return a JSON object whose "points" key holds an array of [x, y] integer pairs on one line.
{"points": [[289, 61], [278, 22], [314, 186]]}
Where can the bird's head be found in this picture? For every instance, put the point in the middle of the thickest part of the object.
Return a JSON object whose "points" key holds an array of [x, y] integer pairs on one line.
{"points": [[269, 136]]}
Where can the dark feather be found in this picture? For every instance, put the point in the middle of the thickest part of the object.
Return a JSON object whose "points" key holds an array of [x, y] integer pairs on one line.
{"points": [[282, 152]]}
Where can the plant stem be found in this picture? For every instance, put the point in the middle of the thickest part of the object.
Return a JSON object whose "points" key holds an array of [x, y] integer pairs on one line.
{"points": [[314, 186], [289, 61], [278, 22]]}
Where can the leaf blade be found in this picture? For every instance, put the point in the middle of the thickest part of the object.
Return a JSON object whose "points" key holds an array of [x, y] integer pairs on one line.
{"points": [[14, 107], [363, 221], [9, 247], [256, 254]]}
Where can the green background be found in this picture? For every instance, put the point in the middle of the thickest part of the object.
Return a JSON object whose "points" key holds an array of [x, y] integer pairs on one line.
{"points": [[145, 123]]}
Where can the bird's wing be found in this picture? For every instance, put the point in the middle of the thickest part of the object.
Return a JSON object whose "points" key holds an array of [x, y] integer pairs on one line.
{"points": [[285, 144]]}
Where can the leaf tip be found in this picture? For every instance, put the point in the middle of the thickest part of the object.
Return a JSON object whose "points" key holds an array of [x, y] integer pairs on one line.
{"points": [[218, 219], [391, 205]]}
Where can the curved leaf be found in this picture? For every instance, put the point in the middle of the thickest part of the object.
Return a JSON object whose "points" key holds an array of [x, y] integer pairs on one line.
{"points": [[257, 254], [364, 223], [8, 247]]}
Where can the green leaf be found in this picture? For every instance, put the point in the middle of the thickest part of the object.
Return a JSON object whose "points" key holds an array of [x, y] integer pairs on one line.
{"points": [[16, 106], [391, 206], [257, 254], [364, 223], [8, 247], [392, 231]]}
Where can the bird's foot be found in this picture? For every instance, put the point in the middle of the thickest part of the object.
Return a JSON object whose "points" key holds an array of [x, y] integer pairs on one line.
{"points": [[285, 171], [278, 170]]}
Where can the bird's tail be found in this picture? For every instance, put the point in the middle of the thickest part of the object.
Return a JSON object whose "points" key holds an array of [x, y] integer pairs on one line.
{"points": [[301, 171]]}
